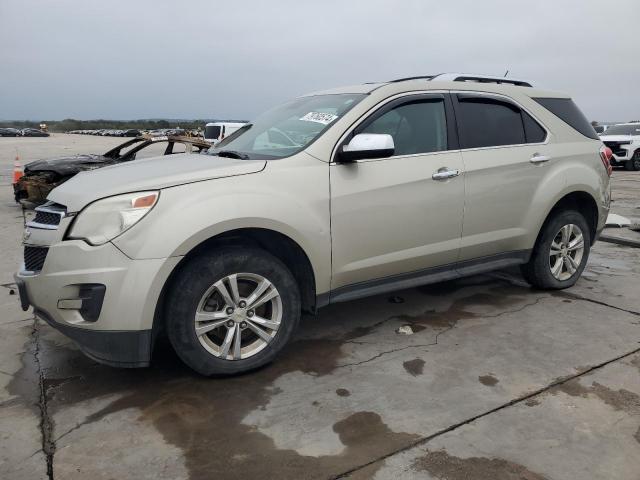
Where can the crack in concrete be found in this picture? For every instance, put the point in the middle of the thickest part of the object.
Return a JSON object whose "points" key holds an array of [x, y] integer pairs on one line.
{"points": [[375, 357], [560, 293], [435, 342], [511, 403], [575, 296], [73, 429], [46, 422], [516, 310]]}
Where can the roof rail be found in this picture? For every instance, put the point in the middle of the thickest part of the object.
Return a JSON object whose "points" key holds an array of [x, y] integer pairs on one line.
{"points": [[464, 77], [419, 77]]}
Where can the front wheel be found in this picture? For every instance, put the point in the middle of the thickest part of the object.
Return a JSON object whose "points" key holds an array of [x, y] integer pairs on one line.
{"points": [[561, 252], [232, 310]]}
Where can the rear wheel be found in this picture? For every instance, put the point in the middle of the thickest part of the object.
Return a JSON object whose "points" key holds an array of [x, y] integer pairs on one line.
{"points": [[634, 163], [232, 310], [561, 252]]}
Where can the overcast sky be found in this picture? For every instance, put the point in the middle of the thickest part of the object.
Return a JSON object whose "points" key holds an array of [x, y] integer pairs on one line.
{"points": [[126, 59]]}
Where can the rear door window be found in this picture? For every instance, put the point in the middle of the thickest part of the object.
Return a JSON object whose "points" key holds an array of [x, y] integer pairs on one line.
{"points": [[417, 126], [492, 122], [568, 112], [488, 122]]}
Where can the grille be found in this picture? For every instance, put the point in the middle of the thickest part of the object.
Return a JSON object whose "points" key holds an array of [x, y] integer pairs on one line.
{"points": [[48, 214], [617, 149], [34, 258], [47, 218]]}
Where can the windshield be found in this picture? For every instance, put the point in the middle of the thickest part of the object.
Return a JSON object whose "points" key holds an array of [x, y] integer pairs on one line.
{"points": [[287, 129], [623, 130]]}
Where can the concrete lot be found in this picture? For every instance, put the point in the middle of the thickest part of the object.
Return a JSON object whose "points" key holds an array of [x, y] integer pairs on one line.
{"points": [[498, 382]]}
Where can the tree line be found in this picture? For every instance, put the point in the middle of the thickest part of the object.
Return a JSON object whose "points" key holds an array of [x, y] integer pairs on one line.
{"points": [[73, 124]]}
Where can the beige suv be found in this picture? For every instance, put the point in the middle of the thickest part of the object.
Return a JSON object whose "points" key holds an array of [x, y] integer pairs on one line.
{"points": [[333, 196]]}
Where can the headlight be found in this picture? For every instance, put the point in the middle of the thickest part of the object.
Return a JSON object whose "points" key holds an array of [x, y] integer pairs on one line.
{"points": [[105, 219]]}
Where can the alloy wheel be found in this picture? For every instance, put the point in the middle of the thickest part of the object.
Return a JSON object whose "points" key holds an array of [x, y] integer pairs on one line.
{"points": [[238, 316], [567, 249]]}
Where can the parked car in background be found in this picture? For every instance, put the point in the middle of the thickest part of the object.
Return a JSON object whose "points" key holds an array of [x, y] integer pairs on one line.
{"points": [[214, 132], [41, 176], [624, 142], [33, 132], [600, 129], [10, 132], [334, 196]]}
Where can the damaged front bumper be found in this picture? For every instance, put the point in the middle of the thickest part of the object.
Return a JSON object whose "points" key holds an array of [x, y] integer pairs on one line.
{"points": [[125, 349], [92, 294]]}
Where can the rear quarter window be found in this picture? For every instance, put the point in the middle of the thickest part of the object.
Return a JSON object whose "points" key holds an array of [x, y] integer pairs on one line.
{"points": [[568, 112], [532, 129]]}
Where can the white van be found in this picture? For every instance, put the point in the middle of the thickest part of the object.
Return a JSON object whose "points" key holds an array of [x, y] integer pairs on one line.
{"points": [[216, 131]]}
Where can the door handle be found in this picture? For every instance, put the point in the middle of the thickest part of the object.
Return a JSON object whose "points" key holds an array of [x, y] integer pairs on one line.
{"points": [[537, 158], [444, 173]]}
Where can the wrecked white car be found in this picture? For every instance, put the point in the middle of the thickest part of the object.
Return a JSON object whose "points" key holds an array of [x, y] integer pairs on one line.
{"points": [[624, 142]]}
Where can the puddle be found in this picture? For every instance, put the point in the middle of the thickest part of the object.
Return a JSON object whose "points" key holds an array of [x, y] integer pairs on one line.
{"points": [[488, 380], [414, 367], [622, 400], [440, 464]]}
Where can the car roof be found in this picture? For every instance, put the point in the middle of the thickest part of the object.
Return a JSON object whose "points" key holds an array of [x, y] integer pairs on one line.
{"points": [[445, 82]]}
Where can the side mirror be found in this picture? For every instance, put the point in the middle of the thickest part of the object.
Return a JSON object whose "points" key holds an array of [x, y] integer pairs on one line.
{"points": [[367, 145]]}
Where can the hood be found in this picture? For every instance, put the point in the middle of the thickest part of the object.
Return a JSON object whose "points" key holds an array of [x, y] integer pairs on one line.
{"points": [[68, 165], [616, 138], [148, 174]]}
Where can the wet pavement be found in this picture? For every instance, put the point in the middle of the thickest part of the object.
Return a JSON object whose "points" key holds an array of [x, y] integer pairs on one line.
{"points": [[497, 381]]}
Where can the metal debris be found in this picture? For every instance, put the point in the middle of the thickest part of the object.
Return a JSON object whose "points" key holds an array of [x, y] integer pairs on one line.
{"points": [[615, 220], [405, 330]]}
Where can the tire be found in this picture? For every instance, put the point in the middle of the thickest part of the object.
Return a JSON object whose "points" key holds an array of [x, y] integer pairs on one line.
{"points": [[628, 165], [634, 163], [194, 290], [538, 271]]}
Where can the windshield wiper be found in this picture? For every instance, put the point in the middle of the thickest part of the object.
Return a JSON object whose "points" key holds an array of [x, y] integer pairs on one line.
{"points": [[232, 154]]}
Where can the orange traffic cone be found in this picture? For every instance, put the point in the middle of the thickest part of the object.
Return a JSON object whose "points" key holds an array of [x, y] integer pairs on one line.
{"points": [[17, 170]]}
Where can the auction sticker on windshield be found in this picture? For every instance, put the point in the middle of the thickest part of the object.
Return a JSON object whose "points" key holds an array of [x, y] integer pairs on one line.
{"points": [[319, 117]]}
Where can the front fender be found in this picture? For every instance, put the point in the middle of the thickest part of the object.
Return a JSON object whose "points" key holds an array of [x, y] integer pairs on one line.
{"points": [[290, 197]]}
